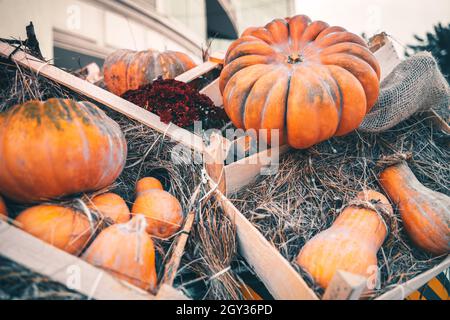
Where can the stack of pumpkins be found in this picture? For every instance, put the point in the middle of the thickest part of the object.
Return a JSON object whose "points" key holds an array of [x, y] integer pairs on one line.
{"points": [[60, 148], [310, 81], [351, 244]]}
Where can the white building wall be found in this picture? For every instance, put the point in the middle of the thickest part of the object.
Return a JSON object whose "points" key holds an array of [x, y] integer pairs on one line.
{"points": [[99, 27]]}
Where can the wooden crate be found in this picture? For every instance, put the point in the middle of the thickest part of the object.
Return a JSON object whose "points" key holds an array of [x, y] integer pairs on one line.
{"points": [[190, 140], [56, 264], [60, 266], [280, 278]]}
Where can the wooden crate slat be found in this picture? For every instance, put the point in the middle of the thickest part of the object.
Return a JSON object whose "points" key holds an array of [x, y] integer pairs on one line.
{"points": [[401, 291], [59, 266], [241, 173], [198, 70], [213, 92], [105, 97], [388, 58], [345, 286], [280, 278]]}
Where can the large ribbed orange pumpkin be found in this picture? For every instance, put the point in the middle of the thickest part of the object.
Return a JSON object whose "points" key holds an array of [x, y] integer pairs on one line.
{"points": [[306, 79], [126, 251], [350, 244], [65, 228], [425, 213], [3, 209], [58, 147], [128, 70]]}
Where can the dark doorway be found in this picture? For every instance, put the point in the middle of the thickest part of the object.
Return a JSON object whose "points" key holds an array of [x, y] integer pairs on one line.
{"points": [[72, 60]]}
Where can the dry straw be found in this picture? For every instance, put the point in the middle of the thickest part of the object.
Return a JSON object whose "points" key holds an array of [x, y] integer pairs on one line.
{"points": [[311, 188], [149, 154]]}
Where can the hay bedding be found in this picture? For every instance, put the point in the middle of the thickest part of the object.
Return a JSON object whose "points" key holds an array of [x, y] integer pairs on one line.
{"points": [[310, 188], [149, 154]]}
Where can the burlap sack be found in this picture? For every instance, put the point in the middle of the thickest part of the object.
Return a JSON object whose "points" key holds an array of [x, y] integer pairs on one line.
{"points": [[416, 84]]}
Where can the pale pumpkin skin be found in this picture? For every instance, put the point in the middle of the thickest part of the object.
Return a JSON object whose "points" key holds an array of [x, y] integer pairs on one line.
{"points": [[350, 244], [162, 210], [112, 206], [56, 148], [425, 213], [3, 209], [126, 70], [306, 79], [62, 227], [126, 251], [148, 183]]}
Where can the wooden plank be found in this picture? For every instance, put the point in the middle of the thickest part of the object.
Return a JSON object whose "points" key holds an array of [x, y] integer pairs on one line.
{"points": [[400, 292], [167, 292], [214, 160], [199, 70], [64, 268], [345, 286], [102, 96], [240, 173], [387, 57], [438, 121], [218, 56], [172, 265], [213, 92], [274, 270]]}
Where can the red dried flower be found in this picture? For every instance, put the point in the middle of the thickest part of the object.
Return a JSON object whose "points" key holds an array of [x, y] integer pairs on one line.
{"points": [[177, 102]]}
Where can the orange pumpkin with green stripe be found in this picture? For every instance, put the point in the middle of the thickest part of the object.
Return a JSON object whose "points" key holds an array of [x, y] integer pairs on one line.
{"points": [[58, 147], [306, 79], [128, 70]]}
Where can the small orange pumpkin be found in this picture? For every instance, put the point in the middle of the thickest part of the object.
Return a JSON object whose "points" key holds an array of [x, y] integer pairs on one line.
{"points": [[128, 70], [148, 183], [350, 244], [162, 210], [63, 227], [425, 213], [111, 206], [58, 147], [308, 80], [3, 209], [126, 251]]}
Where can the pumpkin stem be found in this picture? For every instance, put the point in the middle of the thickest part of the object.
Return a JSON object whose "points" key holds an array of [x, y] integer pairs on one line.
{"points": [[295, 58]]}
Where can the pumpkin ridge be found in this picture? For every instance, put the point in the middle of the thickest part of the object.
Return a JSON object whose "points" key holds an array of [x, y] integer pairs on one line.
{"points": [[237, 65], [340, 37], [244, 100], [276, 118], [313, 31], [301, 75], [361, 70], [330, 30], [338, 73], [341, 101], [266, 97], [297, 26], [249, 48], [348, 48], [243, 93]]}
